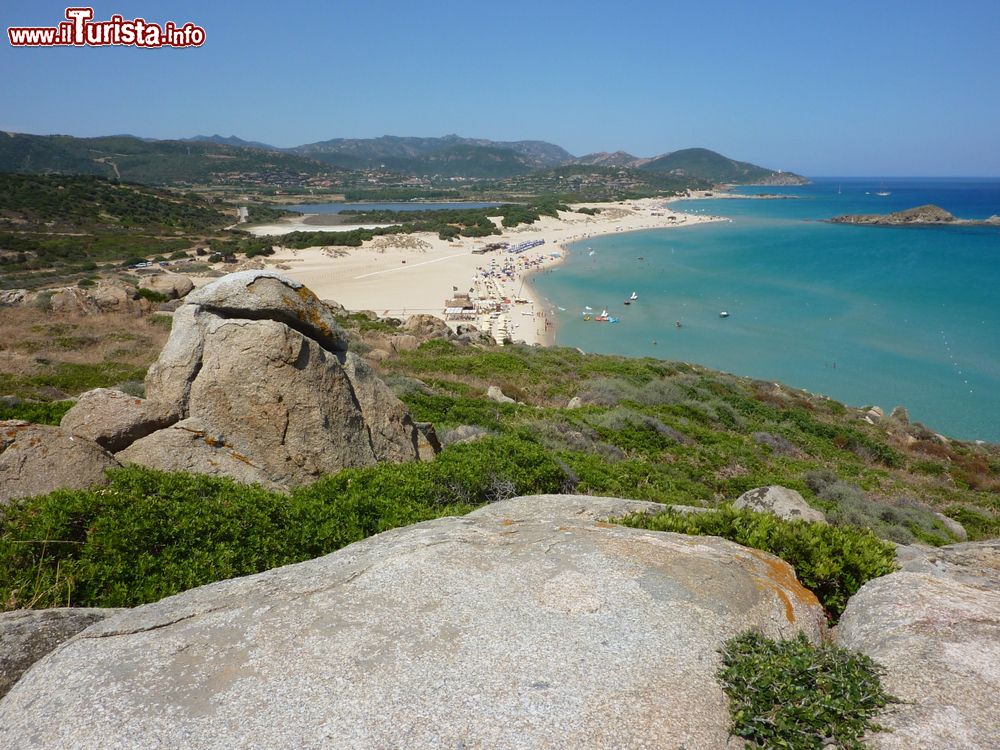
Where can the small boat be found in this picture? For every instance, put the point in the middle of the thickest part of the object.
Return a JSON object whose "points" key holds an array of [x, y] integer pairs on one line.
{"points": [[591, 252], [723, 314], [587, 307], [627, 302], [634, 296], [882, 192], [678, 324], [603, 317]]}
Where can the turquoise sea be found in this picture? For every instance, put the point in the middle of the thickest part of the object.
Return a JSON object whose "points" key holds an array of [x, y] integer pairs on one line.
{"points": [[865, 315]]}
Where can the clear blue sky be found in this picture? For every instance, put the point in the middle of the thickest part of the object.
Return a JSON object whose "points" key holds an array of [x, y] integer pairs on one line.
{"points": [[874, 87]]}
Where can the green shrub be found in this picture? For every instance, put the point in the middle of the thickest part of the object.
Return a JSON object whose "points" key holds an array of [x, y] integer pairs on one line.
{"points": [[152, 295], [831, 561], [792, 694], [902, 521], [39, 412], [151, 534]]}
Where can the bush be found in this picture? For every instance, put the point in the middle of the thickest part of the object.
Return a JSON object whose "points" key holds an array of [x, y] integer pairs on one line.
{"points": [[39, 412], [152, 295], [902, 521], [833, 562], [791, 694], [151, 534]]}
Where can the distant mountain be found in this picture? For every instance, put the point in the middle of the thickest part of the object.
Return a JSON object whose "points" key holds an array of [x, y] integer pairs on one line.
{"points": [[709, 165], [231, 140], [152, 162], [229, 159], [450, 155], [604, 159]]}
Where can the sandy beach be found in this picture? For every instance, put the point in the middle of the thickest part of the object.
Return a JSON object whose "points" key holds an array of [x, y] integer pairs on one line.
{"points": [[402, 275]]}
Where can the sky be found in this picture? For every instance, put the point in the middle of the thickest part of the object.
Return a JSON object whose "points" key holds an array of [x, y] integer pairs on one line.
{"points": [[874, 88]]}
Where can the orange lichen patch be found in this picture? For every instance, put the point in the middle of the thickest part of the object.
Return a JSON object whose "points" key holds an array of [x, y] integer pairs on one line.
{"points": [[507, 522], [781, 580], [241, 457], [213, 443], [605, 525]]}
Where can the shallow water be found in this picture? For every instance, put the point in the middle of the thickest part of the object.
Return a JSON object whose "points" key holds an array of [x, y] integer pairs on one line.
{"points": [[866, 315]]}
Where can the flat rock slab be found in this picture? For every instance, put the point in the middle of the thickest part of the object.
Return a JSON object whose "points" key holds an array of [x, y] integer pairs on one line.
{"points": [[527, 625], [939, 640]]}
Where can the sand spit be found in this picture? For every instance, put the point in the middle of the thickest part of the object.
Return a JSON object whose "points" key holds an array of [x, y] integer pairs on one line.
{"points": [[402, 275]]}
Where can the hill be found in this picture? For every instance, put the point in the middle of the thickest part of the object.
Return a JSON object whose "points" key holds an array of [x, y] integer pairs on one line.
{"points": [[450, 155], [154, 162], [714, 167], [231, 140], [55, 225], [605, 159], [585, 182]]}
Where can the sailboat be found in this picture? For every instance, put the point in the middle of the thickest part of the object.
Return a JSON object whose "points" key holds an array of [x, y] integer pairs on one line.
{"points": [[882, 191], [634, 297]]}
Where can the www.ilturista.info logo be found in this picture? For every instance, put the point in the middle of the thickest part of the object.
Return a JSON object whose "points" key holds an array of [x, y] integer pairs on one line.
{"points": [[80, 30]]}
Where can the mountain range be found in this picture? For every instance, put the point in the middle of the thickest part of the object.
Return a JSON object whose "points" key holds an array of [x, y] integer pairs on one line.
{"points": [[203, 159]]}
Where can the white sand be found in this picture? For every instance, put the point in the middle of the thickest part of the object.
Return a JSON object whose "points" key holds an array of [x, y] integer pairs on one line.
{"points": [[401, 281]]}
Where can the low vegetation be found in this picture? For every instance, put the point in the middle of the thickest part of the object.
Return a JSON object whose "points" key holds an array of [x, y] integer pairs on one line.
{"points": [[647, 429], [46, 356], [792, 694], [151, 534]]}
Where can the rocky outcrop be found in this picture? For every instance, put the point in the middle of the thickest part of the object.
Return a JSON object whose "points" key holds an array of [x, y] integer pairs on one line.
{"points": [[108, 296], [112, 419], [781, 502], [38, 459], [975, 564], [529, 623], [427, 327], [928, 215], [26, 635], [258, 380], [938, 636], [173, 285], [493, 393]]}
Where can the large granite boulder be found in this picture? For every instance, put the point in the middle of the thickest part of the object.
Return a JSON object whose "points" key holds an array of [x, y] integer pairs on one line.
{"points": [[779, 501], [38, 459], [26, 635], [530, 623], [259, 386], [972, 563], [427, 327], [173, 285], [112, 419], [938, 636]]}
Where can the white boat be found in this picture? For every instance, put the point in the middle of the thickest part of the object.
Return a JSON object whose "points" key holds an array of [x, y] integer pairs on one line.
{"points": [[634, 297], [723, 314], [882, 191]]}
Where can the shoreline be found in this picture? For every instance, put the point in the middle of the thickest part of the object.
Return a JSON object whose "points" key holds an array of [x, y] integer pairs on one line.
{"points": [[407, 274]]}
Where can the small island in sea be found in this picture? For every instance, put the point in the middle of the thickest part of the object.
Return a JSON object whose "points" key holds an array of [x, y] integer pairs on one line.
{"points": [[928, 215]]}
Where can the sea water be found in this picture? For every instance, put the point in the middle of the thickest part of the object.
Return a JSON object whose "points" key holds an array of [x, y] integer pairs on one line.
{"points": [[865, 315]]}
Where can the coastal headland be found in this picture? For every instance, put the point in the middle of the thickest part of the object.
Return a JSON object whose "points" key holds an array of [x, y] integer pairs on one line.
{"points": [[489, 286]]}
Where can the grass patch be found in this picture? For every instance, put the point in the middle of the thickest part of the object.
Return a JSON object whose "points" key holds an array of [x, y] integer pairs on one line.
{"points": [[833, 562], [792, 694]]}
